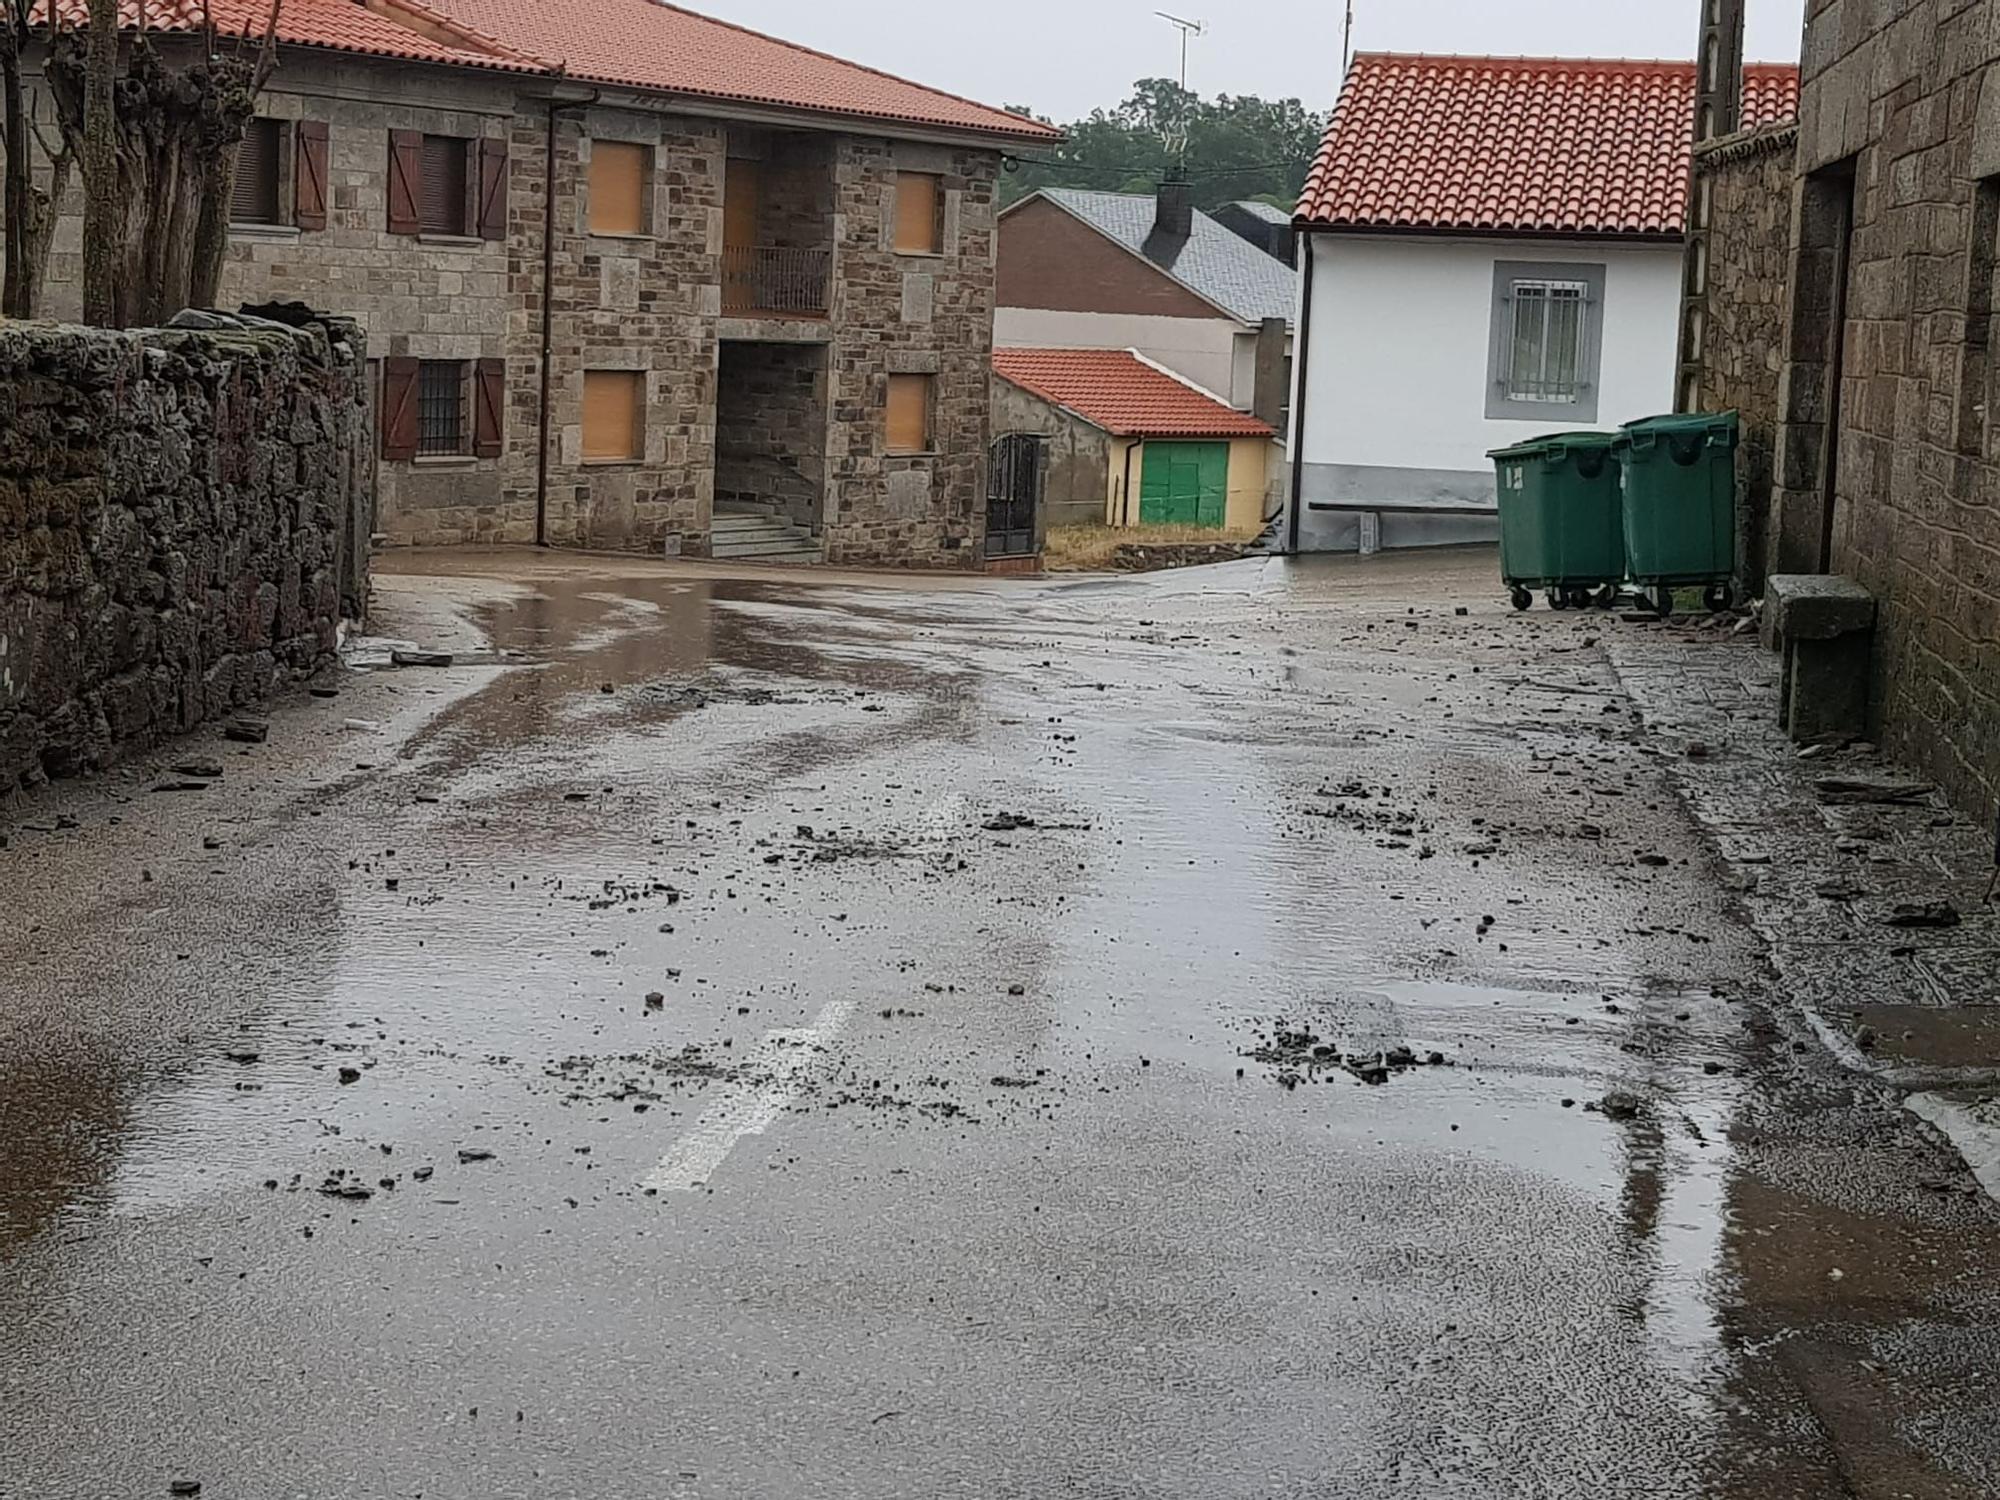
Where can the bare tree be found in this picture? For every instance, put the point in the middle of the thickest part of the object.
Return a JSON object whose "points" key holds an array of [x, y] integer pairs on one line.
{"points": [[158, 145], [28, 207]]}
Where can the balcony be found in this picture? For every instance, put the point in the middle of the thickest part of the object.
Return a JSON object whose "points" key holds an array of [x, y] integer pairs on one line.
{"points": [[761, 281]]}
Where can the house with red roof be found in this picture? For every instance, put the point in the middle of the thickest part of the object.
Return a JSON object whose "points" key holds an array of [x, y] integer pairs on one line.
{"points": [[1130, 442], [1492, 250], [632, 278]]}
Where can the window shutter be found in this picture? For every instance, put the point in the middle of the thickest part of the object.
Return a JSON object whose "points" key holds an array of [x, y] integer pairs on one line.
{"points": [[489, 405], [492, 215], [612, 427], [399, 408], [909, 426], [918, 225], [309, 175], [618, 187], [406, 175]]}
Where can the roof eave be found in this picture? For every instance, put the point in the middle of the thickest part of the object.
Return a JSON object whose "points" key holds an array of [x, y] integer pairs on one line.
{"points": [[1457, 232]]}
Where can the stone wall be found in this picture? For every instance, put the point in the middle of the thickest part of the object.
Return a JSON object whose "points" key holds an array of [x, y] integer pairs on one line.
{"points": [[1748, 179], [1080, 456], [771, 429], [901, 314], [1898, 120], [180, 515]]}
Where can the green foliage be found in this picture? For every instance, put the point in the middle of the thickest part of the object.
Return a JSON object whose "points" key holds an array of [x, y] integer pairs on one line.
{"points": [[1237, 146]]}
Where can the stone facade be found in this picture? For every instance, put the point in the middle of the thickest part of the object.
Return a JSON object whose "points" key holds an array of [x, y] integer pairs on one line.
{"points": [[181, 514], [1739, 345], [650, 303], [771, 429], [1894, 479], [1079, 477]]}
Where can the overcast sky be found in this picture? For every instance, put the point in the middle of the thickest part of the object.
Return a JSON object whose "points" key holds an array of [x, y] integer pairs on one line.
{"points": [[1067, 57]]}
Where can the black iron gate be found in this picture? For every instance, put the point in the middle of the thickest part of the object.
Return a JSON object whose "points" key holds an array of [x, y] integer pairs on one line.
{"points": [[1014, 494]]}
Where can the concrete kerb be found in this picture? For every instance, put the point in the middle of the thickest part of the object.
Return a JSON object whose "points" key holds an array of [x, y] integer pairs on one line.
{"points": [[1710, 703]]}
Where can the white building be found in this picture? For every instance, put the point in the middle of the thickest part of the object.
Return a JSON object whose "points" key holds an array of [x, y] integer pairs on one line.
{"points": [[1493, 251]]}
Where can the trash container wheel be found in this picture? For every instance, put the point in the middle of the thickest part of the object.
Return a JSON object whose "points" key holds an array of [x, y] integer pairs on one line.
{"points": [[1558, 599], [1662, 600], [1607, 597], [1521, 598], [1577, 597], [1720, 597]]}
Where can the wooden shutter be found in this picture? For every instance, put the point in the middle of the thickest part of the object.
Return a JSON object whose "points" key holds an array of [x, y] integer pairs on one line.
{"points": [[909, 413], [406, 176], [741, 190], [489, 406], [309, 175], [917, 218], [492, 216], [399, 407], [618, 187], [611, 426]]}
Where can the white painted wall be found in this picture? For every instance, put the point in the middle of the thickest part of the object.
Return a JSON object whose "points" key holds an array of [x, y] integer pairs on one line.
{"points": [[1243, 383], [1199, 349], [1400, 333]]}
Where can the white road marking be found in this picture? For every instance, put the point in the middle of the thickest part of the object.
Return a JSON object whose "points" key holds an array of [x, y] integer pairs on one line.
{"points": [[771, 1077]]}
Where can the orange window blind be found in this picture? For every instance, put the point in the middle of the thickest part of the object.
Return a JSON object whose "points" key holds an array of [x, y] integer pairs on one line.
{"points": [[919, 225], [741, 188], [613, 421], [618, 171], [909, 413]]}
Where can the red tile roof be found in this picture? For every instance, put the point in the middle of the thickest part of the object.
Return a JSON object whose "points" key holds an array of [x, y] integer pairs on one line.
{"points": [[1122, 393], [644, 44], [1532, 146], [341, 25]]}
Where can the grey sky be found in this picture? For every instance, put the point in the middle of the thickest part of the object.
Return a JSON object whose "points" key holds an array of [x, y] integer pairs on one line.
{"points": [[1065, 57]]}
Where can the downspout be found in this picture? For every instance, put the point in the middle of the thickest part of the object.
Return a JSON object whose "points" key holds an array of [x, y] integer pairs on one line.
{"points": [[1125, 493], [543, 420], [1299, 407]]}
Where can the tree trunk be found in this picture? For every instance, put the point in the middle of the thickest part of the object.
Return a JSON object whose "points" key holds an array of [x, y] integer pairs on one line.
{"points": [[20, 165], [105, 208]]}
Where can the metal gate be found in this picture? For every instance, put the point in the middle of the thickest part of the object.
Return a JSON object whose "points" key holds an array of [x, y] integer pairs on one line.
{"points": [[1014, 483]]}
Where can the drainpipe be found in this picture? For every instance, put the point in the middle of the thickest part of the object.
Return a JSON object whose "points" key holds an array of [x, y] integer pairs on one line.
{"points": [[556, 107], [1299, 407], [1125, 494]]}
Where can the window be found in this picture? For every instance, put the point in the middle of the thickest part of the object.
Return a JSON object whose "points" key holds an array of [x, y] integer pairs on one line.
{"points": [[619, 172], [440, 408], [614, 429], [919, 214], [441, 198], [1547, 339], [256, 199], [909, 413]]}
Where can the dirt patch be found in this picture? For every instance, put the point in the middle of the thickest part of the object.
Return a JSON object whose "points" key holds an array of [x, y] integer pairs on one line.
{"points": [[1141, 549]]}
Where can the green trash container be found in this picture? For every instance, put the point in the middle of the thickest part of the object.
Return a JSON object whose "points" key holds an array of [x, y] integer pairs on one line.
{"points": [[1680, 505], [1560, 526]]}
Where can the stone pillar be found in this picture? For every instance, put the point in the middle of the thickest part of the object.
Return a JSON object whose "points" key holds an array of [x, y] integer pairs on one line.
{"points": [[1718, 111]]}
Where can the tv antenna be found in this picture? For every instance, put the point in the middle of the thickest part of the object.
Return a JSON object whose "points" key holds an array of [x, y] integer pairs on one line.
{"points": [[1177, 134]]}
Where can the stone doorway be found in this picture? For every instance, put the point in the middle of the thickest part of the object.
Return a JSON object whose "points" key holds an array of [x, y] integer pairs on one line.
{"points": [[770, 450]]}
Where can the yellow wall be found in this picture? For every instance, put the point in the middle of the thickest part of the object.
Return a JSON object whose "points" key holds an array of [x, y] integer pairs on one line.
{"points": [[1249, 472], [1114, 481]]}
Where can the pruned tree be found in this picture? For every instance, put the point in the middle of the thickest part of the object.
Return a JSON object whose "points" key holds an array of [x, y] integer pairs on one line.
{"points": [[29, 207], [158, 145]]}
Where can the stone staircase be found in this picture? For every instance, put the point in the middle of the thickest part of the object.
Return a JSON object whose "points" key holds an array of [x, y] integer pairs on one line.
{"points": [[741, 533]]}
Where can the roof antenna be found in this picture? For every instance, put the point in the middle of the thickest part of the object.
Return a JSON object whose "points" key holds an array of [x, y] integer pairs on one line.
{"points": [[1177, 143], [1347, 42]]}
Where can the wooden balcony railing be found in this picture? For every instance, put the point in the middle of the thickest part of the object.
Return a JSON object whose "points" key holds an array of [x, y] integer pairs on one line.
{"points": [[762, 281]]}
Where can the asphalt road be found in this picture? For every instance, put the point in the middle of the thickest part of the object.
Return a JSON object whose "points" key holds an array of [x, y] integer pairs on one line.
{"points": [[769, 1037]]}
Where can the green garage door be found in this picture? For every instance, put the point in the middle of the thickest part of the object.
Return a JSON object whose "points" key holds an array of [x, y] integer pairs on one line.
{"points": [[1184, 484]]}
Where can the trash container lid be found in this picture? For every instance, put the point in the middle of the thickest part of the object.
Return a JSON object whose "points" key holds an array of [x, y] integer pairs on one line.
{"points": [[1713, 426], [1556, 445]]}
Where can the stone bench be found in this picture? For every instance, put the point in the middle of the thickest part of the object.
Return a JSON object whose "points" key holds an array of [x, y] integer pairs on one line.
{"points": [[1825, 626]]}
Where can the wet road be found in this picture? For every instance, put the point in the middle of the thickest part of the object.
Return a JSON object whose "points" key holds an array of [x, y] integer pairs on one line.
{"points": [[742, 1037]]}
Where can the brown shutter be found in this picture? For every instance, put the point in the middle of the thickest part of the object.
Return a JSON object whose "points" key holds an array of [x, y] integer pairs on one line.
{"points": [[489, 405], [909, 424], [492, 216], [918, 221], [399, 408], [406, 175], [309, 176]]}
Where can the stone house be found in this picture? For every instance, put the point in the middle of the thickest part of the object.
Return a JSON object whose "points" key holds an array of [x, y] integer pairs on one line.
{"points": [[1876, 357], [633, 278]]}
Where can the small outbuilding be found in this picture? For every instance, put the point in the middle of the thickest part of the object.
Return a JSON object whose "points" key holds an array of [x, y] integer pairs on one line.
{"points": [[1131, 443]]}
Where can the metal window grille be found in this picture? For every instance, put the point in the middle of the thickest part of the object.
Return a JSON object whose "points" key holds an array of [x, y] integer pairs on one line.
{"points": [[440, 408], [1550, 324], [444, 185], [255, 200]]}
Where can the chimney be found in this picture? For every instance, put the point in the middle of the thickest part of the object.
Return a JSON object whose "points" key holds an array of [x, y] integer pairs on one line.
{"points": [[1174, 219]]}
